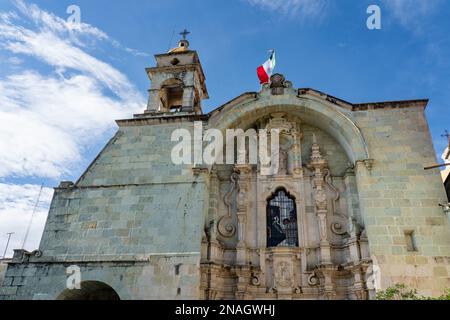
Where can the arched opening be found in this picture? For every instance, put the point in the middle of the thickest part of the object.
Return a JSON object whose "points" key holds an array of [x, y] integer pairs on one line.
{"points": [[90, 290], [171, 95], [281, 216]]}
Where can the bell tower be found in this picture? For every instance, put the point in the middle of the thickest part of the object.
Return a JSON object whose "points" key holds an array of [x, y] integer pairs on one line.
{"points": [[177, 81]]}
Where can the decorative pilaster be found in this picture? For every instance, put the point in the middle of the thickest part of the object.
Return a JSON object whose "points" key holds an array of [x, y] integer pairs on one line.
{"points": [[211, 227], [244, 275], [188, 99], [350, 185], [297, 136], [153, 101], [318, 164], [244, 172]]}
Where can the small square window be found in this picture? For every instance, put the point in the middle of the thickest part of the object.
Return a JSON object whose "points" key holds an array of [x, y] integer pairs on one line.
{"points": [[410, 241]]}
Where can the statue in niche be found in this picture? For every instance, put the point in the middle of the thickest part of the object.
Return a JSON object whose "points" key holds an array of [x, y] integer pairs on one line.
{"points": [[283, 162]]}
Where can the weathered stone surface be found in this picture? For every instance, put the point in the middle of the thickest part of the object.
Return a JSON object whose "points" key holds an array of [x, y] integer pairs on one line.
{"points": [[150, 229]]}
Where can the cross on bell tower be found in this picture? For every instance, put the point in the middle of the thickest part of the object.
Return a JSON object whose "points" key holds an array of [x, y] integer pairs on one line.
{"points": [[446, 135], [183, 43], [184, 33]]}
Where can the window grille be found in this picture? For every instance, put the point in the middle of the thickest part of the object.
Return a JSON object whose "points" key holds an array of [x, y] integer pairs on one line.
{"points": [[281, 220]]}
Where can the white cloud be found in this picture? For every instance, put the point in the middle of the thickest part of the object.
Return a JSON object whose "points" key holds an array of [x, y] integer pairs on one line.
{"points": [[16, 210], [77, 32], [62, 53], [298, 8], [411, 13], [51, 22], [47, 120]]}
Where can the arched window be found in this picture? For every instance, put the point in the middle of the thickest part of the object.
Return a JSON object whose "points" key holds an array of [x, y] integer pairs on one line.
{"points": [[281, 220]]}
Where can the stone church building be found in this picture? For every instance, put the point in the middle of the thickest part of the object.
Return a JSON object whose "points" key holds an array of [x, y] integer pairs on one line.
{"points": [[350, 211]]}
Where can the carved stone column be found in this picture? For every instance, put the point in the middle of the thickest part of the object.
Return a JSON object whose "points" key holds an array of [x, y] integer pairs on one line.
{"points": [[244, 275], [350, 185], [358, 292], [244, 172], [297, 151], [213, 245], [318, 164]]}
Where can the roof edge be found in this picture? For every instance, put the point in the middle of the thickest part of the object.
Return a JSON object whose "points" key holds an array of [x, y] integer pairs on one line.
{"points": [[337, 101], [244, 96], [391, 104]]}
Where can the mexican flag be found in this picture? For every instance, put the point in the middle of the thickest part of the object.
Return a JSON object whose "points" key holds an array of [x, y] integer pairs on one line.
{"points": [[265, 71]]}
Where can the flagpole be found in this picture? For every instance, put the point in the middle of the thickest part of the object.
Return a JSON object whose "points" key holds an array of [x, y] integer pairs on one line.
{"points": [[265, 70]]}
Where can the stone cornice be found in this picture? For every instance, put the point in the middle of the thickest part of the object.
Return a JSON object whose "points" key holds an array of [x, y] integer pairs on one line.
{"points": [[171, 69], [422, 103], [142, 120], [333, 100]]}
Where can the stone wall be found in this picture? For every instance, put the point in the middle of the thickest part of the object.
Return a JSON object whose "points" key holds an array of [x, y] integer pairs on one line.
{"points": [[131, 220], [135, 221], [3, 267], [390, 144], [398, 196], [153, 277]]}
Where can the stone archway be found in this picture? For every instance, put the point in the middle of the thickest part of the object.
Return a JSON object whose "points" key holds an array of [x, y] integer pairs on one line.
{"points": [[90, 290], [309, 109]]}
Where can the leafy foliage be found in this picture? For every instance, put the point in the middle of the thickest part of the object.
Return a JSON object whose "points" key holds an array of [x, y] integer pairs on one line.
{"points": [[402, 292]]}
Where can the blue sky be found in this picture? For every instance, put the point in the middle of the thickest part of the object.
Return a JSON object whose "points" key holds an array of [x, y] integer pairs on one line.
{"points": [[62, 86]]}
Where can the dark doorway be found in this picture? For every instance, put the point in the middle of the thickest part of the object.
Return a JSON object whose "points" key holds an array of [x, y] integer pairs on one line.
{"points": [[90, 290]]}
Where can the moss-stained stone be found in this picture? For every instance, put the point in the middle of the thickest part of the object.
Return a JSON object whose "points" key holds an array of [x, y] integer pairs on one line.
{"points": [[136, 221]]}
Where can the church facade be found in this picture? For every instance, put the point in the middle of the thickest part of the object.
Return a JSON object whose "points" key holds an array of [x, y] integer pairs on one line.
{"points": [[351, 209]]}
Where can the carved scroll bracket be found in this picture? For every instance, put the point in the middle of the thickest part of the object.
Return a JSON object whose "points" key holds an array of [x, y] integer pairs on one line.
{"points": [[225, 225]]}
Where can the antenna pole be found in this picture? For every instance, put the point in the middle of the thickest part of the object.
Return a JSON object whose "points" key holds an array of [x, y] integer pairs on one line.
{"points": [[32, 216], [7, 243]]}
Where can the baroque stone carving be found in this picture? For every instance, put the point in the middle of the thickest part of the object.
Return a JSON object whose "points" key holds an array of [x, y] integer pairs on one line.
{"points": [[321, 199], [226, 226], [344, 225], [255, 280], [291, 135], [278, 83], [21, 255], [244, 172], [278, 121], [313, 280], [283, 277], [283, 162]]}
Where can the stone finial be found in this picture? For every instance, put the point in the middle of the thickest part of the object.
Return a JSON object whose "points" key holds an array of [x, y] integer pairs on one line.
{"points": [[316, 159], [277, 84]]}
